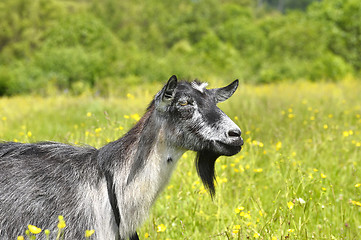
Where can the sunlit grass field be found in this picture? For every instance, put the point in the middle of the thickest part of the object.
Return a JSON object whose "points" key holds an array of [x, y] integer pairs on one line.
{"points": [[297, 177]]}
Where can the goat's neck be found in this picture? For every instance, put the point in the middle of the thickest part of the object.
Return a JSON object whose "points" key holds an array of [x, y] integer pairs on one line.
{"points": [[156, 156], [148, 164]]}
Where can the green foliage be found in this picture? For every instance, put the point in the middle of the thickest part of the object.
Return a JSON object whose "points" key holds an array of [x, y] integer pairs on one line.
{"points": [[23, 24], [92, 45], [341, 19]]}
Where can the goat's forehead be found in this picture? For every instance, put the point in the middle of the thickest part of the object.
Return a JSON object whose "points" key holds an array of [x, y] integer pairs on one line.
{"points": [[199, 86], [192, 88]]}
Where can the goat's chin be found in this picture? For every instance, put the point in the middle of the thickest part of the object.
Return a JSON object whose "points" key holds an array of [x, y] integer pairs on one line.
{"points": [[224, 149]]}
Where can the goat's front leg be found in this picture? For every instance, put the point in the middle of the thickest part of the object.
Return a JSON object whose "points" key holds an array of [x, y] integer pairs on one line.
{"points": [[134, 236]]}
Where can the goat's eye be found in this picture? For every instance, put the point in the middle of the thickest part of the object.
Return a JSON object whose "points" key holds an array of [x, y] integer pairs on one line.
{"points": [[183, 103]]}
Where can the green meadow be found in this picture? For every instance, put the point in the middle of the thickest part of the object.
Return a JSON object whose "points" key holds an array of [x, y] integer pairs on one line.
{"points": [[297, 177]]}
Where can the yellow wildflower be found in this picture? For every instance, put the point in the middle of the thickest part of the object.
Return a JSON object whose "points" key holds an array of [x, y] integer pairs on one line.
{"points": [[323, 175], [88, 233], [161, 228], [223, 180], [278, 146], [88, 114], [130, 96], [20, 238], [356, 203], [135, 117], [358, 185], [239, 209], [146, 235], [290, 230], [47, 232], [61, 223], [236, 228], [290, 205], [256, 235], [258, 170], [29, 134], [33, 229]]}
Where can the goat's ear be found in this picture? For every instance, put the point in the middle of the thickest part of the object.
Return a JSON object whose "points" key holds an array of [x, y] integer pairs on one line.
{"points": [[168, 91], [222, 94]]}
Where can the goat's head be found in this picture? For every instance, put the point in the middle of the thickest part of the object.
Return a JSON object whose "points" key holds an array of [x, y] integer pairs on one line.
{"points": [[196, 123]]}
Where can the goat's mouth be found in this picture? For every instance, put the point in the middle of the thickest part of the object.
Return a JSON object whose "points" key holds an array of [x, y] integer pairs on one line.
{"points": [[228, 149]]}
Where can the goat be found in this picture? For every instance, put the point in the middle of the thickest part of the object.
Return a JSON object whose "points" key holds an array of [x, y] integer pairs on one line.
{"points": [[112, 189]]}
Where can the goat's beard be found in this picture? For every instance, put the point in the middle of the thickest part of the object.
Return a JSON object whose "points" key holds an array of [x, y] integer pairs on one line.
{"points": [[205, 164]]}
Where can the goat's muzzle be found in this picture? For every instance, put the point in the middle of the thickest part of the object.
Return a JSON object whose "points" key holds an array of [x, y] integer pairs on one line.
{"points": [[235, 137], [232, 144]]}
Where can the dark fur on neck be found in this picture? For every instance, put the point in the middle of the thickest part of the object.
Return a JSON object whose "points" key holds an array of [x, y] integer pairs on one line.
{"points": [[147, 130], [205, 163]]}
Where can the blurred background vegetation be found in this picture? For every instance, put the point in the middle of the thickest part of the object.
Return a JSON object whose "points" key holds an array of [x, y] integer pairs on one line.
{"points": [[104, 47]]}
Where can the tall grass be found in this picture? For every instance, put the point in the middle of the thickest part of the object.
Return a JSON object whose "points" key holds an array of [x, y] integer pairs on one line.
{"points": [[298, 176]]}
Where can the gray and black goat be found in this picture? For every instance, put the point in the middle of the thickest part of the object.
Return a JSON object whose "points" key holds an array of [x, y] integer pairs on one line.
{"points": [[112, 189]]}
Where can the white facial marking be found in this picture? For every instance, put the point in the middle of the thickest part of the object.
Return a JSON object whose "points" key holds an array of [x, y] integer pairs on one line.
{"points": [[216, 131], [199, 87]]}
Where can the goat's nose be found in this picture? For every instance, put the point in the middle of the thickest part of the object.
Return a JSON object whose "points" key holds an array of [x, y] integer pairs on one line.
{"points": [[234, 133]]}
